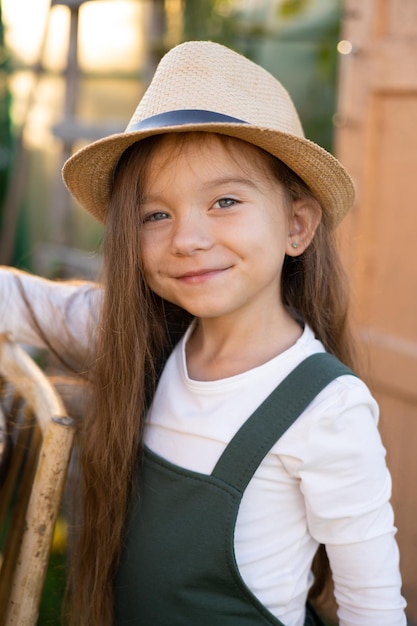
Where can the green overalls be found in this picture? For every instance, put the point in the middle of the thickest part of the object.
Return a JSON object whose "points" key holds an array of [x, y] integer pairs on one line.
{"points": [[178, 566]]}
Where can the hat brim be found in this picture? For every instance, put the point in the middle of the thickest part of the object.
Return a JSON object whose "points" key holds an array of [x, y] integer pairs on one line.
{"points": [[88, 174]]}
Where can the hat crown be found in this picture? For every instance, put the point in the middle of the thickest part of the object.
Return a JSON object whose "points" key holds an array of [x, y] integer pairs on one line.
{"points": [[203, 75], [203, 86]]}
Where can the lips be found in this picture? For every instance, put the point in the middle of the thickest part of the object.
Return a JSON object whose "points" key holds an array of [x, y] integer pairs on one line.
{"points": [[200, 275]]}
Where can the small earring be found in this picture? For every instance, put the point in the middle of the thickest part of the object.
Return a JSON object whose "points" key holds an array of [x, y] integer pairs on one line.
{"points": [[294, 244]]}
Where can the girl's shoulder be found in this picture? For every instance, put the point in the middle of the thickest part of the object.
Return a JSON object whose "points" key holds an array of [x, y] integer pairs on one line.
{"points": [[339, 423], [33, 307], [346, 390]]}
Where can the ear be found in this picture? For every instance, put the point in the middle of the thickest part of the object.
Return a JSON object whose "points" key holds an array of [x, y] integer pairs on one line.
{"points": [[305, 216]]}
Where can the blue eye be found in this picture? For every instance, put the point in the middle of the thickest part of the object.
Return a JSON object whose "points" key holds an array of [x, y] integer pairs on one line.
{"points": [[155, 217], [225, 203]]}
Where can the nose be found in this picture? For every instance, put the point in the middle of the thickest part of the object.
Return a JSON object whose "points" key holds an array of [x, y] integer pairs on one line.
{"points": [[191, 234]]}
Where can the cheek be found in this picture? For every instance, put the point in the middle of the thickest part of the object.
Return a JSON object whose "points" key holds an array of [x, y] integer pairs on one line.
{"points": [[276, 228], [155, 267], [149, 258], [149, 245], [281, 224]]}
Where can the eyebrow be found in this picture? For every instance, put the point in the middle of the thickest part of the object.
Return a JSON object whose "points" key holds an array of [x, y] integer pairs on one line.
{"points": [[240, 180], [210, 184]]}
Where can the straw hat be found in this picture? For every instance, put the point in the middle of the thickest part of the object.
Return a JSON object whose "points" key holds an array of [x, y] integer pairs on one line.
{"points": [[204, 86]]}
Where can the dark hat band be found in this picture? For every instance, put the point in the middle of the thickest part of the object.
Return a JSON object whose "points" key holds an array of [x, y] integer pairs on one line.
{"points": [[183, 117]]}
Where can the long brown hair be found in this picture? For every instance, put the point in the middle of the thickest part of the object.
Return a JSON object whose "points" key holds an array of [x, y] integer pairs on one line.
{"points": [[137, 332]]}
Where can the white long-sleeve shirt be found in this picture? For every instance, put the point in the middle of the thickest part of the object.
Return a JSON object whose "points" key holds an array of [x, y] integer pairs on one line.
{"points": [[325, 480], [66, 311]]}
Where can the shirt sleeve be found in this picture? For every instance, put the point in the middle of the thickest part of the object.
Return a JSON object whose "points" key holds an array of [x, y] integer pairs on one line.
{"points": [[43, 313], [347, 488]]}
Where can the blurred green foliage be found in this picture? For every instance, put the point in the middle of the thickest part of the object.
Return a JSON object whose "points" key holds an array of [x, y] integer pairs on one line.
{"points": [[296, 40]]}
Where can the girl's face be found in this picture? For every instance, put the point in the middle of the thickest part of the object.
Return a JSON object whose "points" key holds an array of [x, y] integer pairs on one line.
{"points": [[216, 228]]}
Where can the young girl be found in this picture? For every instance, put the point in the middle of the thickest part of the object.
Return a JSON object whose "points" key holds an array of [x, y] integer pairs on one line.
{"points": [[223, 443]]}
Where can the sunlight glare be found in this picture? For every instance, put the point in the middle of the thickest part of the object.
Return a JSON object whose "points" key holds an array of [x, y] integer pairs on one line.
{"points": [[24, 35], [110, 34]]}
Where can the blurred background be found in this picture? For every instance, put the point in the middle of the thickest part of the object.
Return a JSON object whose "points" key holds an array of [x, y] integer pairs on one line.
{"points": [[74, 71]]}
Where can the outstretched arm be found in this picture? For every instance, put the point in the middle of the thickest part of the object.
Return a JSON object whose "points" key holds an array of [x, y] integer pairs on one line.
{"points": [[44, 313]]}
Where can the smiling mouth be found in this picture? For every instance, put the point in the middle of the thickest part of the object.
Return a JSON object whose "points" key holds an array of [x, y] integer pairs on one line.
{"points": [[201, 275]]}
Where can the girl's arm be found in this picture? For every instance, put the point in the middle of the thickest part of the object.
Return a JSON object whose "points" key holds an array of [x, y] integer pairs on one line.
{"points": [[347, 490], [45, 313]]}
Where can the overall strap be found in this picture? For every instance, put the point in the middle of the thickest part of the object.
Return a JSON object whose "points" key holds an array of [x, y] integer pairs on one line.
{"points": [[274, 416]]}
